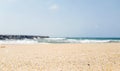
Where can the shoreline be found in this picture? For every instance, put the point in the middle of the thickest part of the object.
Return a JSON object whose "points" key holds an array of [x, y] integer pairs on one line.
{"points": [[60, 43]]}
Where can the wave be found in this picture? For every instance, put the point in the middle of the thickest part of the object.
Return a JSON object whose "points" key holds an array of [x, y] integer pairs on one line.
{"points": [[25, 41], [58, 40], [76, 40]]}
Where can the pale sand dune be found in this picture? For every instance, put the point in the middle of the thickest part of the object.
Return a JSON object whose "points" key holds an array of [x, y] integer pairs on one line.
{"points": [[60, 57]]}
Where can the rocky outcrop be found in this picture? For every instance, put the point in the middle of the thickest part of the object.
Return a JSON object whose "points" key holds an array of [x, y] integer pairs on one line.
{"points": [[4, 37]]}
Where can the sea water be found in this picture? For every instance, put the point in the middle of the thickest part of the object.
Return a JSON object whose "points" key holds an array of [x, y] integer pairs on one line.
{"points": [[60, 40]]}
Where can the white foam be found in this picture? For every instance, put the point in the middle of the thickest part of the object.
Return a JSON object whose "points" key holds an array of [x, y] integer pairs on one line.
{"points": [[17, 41], [55, 40]]}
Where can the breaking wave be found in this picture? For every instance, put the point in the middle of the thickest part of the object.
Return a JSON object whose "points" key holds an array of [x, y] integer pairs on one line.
{"points": [[60, 40]]}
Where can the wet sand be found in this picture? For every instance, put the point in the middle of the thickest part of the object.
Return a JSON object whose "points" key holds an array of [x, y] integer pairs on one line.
{"points": [[60, 57]]}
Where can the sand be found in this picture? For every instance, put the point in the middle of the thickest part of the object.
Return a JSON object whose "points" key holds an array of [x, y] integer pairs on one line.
{"points": [[60, 57]]}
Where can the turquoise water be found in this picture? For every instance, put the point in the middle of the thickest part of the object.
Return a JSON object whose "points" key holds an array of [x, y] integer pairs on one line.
{"points": [[79, 40], [61, 40]]}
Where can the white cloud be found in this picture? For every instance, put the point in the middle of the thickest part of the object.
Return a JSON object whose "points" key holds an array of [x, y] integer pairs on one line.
{"points": [[54, 7]]}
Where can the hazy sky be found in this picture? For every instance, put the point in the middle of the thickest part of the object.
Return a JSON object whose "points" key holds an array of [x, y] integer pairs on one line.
{"points": [[61, 18]]}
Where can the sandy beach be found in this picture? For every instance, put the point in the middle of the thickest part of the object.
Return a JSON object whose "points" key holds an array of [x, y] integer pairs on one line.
{"points": [[60, 57]]}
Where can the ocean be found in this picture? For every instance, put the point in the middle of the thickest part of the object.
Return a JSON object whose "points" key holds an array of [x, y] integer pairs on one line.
{"points": [[58, 40]]}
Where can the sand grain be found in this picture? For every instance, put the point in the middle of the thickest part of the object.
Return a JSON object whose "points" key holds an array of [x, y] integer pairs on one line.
{"points": [[60, 57]]}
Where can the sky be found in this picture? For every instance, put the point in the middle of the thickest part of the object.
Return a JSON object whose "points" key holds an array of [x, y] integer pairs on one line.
{"points": [[61, 18]]}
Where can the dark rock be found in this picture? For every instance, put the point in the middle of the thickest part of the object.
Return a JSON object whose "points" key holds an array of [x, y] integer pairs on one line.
{"points": [[4, 37]]}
